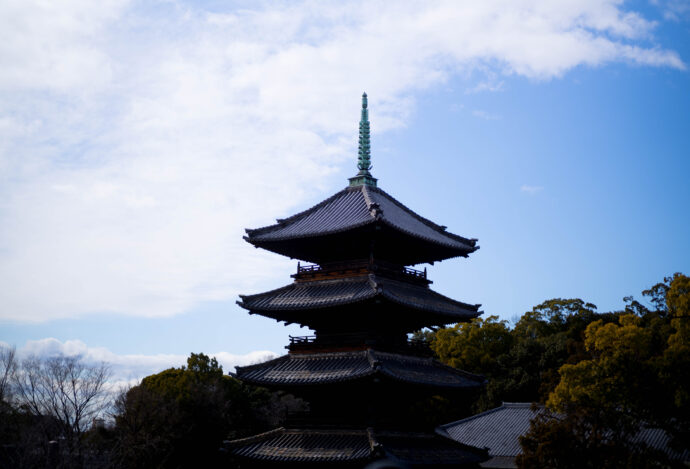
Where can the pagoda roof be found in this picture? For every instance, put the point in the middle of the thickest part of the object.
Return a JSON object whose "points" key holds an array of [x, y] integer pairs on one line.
{"points": [[356, 208], [304, 369], [323, 294], [321, 446]]}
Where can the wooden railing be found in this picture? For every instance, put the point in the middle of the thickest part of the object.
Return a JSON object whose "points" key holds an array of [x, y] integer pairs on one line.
{"points": [[314, 271], [304, 339], [308, 343]]}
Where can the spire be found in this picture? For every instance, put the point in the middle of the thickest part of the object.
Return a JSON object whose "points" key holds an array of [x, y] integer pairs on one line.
{"points": [[363, 161], [364, 177]]}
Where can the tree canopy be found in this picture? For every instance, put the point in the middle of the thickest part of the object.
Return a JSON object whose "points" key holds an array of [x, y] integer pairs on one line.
{"points": [[604, 375], [180, 416]]}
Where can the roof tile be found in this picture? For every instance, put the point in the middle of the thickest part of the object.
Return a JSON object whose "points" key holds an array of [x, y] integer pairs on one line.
{"points": [[328, 293], [321, 368], [354, 207]]}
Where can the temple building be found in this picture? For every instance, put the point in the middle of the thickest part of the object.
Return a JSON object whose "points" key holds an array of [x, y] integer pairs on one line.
{"points": [[359, 373]]}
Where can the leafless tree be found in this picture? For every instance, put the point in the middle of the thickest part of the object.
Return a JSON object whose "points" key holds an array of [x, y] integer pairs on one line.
{"points": [[8, 368], [68, 392]]}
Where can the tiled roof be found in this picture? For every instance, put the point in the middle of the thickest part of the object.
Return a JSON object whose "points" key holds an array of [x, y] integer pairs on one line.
{"points": [[659, 439], [318, 368], [354, 207], [324, 446], [328, 293], [498, 429], [333, 446]]}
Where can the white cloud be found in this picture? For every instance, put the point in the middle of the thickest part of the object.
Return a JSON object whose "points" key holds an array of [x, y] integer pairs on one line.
{"points": [[485, 115], [489, 85], [674, 10], [531, 189], [128, 369], [138, 140]]}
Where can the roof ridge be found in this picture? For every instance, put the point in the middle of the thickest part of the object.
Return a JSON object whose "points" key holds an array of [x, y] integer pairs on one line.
{"points": [[375, 448], [255, 438], [464, 373], [462, 303], [426, 221], [385, 354], [367, 199], [281, 222], [256, 365], [373, 361], [325, 431], [295, 217], [290, 285], [470, 418]]}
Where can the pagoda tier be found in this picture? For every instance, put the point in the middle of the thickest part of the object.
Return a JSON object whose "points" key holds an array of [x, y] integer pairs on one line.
{"points": [[365, 388], [352, 448], [299, 370], [360, 301], [358, 223]]}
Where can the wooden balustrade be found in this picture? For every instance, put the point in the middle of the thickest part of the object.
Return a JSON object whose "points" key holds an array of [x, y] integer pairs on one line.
{"points": [[359, 267]]}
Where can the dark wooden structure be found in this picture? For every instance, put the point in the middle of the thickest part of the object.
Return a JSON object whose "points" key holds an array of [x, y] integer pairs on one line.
{"points": [[359, 373]]}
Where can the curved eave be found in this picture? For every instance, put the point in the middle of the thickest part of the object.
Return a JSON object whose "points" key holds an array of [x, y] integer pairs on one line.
{"points": [[467, 247], [405, 248], [350, 210], [333, 446], [303, 446], [325, 294], [300, 370]]}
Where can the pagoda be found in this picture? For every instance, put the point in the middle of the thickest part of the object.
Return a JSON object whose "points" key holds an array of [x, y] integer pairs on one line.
{"points": [[359, 373]]}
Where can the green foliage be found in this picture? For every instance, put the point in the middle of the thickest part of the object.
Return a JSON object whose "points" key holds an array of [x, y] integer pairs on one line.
{"points": [[521, 364], [583, 439], [634, 373], [473, 346], [619, 376], [180, 416], [604, 373]]}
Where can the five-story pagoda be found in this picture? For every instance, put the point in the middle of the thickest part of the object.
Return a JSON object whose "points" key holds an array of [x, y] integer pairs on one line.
{"points": [[359, 373]]}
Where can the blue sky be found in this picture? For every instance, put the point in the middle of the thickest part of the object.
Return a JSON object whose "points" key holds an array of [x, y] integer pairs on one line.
{"points": [[138, 140]]}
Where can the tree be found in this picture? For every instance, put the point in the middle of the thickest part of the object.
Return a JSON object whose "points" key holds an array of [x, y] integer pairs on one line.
{"points": [[473, 346], [58, 397], [8, 368], [521, 364], [180, 416], [675, 368], [633, 374], [621, 375], [583, 439], [8, 421]]}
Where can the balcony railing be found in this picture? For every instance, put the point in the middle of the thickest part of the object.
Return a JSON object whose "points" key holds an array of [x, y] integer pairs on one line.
{"points": [[312, 343], [334, 270]]}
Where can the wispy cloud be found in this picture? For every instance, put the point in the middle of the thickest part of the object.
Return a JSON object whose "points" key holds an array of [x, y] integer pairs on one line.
{"points": [[531, 189], [127, 369], [485, 115], [674, 10], [138, 140], [487, 86]]}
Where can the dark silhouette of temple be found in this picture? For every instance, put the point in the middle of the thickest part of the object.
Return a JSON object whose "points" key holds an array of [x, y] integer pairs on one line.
{"points": [[359, 373]]}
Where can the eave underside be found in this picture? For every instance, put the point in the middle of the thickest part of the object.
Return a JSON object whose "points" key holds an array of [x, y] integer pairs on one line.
{"points": [[389, 244]]}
